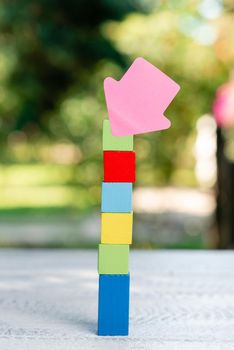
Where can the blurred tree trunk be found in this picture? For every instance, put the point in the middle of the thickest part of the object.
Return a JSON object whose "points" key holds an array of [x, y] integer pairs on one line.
{"points": [[225, 195]]}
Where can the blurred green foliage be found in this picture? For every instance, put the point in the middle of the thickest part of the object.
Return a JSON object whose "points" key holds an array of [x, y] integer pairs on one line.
{"points": [[54, 57], [51, 46]]}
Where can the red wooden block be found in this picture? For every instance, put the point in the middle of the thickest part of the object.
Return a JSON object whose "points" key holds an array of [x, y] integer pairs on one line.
{"points": [[119, 166]]}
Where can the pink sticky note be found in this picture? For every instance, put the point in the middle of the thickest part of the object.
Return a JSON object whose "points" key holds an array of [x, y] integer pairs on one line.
{"points": [[137, 102]]}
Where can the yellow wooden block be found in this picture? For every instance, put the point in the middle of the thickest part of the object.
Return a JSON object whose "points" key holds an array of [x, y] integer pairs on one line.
{"points": [[116, 228]]}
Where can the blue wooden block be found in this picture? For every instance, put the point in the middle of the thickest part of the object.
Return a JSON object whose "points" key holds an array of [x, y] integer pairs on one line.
{"points": [[113, 304], [116, 197]]}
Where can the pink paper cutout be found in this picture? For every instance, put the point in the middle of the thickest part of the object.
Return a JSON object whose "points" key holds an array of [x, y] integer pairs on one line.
{"points": [[136, 103]]}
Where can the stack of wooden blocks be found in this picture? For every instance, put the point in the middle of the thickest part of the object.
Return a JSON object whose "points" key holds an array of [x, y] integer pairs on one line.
{"points": [[116, 233]]}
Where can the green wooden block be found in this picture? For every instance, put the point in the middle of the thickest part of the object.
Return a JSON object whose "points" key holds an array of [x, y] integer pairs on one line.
{"points": [[113, 259], [115, 143]]}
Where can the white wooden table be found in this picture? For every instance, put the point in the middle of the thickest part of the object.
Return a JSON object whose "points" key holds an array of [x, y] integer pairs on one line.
{"points": [[179, 300]]}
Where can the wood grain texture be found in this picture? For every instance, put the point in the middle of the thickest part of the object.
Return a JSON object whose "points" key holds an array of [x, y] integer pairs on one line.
{"points": [[179, 300]]}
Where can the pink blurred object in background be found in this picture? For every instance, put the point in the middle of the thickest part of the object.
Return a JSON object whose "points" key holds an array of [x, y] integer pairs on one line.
{"points": [[223, 107]]}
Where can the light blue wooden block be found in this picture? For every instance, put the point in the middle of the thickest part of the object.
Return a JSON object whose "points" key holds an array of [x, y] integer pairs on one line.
{"points": [[116, 197]]}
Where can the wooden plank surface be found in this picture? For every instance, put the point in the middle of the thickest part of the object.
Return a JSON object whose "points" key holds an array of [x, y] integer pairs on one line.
{"points": [[179, 300]]}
